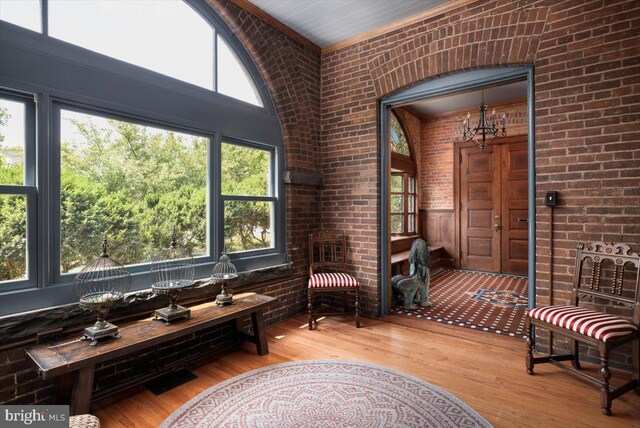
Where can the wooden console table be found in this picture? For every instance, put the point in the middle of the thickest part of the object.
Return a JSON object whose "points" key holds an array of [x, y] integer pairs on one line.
{"points": [[74, 360]]}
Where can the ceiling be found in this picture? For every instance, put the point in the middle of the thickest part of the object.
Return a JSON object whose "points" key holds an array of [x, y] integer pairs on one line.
{"points": [[492, 96], [326, 22]]}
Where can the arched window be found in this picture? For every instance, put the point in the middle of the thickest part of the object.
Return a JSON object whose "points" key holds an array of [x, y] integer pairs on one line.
{"points": [[398, 140], [128, 119], [168, 37], [403, 182]]}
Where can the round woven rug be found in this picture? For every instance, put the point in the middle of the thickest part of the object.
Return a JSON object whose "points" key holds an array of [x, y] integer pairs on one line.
{"points": [[325, 393]]}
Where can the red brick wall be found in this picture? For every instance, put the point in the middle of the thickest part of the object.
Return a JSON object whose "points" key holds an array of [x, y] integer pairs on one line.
{"points": [[587, 61], [438, 134]]}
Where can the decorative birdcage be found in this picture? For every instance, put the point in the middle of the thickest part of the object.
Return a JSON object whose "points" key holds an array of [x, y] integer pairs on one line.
{"points": [[100, 286], [223, 272], [173, 270]]}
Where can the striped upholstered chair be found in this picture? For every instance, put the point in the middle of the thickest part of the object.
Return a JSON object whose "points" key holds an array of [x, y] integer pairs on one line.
{"points": [[327, 272], [604, 274]]}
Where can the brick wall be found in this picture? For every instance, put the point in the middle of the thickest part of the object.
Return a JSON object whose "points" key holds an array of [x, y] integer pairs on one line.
{"points": [[587, 61], [438, 134], [292, 73]]}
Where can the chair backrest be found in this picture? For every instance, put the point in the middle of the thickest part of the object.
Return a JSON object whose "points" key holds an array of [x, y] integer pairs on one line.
{"points": [[612, 266], [327, 252]]}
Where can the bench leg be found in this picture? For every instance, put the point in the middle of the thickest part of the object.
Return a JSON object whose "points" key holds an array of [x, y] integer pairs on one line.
{"points": [[605, 375], [529, 341], [82, 389], [257, 322]]}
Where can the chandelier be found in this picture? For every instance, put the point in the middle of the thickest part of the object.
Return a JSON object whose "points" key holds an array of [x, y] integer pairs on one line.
{"points": [[486, 130]]}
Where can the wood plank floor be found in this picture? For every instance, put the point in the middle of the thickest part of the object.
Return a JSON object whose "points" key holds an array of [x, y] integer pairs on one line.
{"points": [[485, 370]]}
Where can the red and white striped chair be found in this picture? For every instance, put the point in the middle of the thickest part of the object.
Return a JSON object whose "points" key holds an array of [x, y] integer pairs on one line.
{"points": [[608, 279], [327, 271]]}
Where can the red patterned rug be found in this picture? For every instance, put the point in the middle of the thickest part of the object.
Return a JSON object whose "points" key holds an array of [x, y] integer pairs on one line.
{"points": [[481, 301], [325, 393]]}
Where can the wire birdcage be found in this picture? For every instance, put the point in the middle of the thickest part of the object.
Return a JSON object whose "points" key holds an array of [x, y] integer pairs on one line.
{"points": [[100, 286], [173, 270], [224, 271]]}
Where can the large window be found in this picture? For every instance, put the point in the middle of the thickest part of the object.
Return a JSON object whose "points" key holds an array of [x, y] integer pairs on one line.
{"points": [[100, 135], [131, 182]]}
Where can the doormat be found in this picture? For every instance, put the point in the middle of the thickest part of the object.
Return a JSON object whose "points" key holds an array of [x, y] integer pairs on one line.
{"points": [[481, 301]]}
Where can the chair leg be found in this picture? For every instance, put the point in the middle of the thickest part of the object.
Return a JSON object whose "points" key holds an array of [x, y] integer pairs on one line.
{"points": [[357, 307], [529, 340], [576, 354], [310, 308], [605, 375], [635, 363]]}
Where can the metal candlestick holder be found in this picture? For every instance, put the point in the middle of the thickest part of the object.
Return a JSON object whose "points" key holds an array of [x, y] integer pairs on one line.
{"points": [[100, 286], [223, 272], [173, 271]]}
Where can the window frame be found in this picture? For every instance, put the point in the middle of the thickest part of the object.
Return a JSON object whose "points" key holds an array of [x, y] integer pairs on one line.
{"points": [[57, 73], [28, 189], [406, 194]]}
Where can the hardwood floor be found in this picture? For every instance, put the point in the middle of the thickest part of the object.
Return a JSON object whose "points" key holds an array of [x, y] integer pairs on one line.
{"points": [[485, 370]]}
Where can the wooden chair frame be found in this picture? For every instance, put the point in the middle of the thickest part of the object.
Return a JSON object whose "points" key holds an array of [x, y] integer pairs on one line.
{"points": [[335, 260], [620, 255]]}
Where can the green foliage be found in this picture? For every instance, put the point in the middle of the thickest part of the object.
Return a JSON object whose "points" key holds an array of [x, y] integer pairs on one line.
{"points": [[135, 184]]}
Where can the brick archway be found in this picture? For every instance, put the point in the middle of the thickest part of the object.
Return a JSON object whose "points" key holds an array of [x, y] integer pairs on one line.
{"points": [[507, 39]]}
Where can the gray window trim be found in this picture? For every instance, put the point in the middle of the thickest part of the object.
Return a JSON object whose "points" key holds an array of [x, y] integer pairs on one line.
{"points": [[28, 189], [62, 74]]}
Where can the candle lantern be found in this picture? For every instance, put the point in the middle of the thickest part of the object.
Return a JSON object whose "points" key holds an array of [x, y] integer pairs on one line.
{"points": [[223, 272], [173, 270], [100, 286]]}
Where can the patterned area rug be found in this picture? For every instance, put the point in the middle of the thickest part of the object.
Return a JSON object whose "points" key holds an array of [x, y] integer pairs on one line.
{"points": [[482, 301], [325, 393]]}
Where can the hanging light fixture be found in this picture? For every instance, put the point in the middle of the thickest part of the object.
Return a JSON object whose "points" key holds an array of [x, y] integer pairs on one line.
{"points": [[486, 130]]}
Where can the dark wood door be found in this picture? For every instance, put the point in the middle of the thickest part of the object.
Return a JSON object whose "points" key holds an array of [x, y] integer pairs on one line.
{"points": [[515, 205], [494, 207], [479, 206]]}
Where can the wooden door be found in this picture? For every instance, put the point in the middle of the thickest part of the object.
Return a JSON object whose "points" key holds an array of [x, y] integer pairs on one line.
{"points": [[479, 206], [515, 208], [493, 202]]}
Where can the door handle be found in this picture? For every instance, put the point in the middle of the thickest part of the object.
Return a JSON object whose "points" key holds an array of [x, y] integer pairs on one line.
{"points": [[496, 227]]}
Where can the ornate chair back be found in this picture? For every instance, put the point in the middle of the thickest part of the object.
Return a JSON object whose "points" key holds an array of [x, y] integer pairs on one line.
{"points": [[609, 272], [327, 252]]}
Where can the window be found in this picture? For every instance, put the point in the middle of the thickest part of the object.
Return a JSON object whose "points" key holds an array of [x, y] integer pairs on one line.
{"points": [[25, 13], [132, 182], [247, 192], [403, 204], [92, 145], [398, 140], [168, 37], [232, 77], [17, 190]]}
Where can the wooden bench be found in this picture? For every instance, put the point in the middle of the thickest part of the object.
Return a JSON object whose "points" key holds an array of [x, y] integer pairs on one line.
{"points": [[74, 361], [399, 259]]}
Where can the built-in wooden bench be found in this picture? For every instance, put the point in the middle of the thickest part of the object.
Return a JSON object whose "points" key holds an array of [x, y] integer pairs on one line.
{"points": [[74, 361], [400, 260]]}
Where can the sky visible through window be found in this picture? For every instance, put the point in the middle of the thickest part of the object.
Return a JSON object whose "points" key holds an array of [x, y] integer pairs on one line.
{"points": [[166, 36]]}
